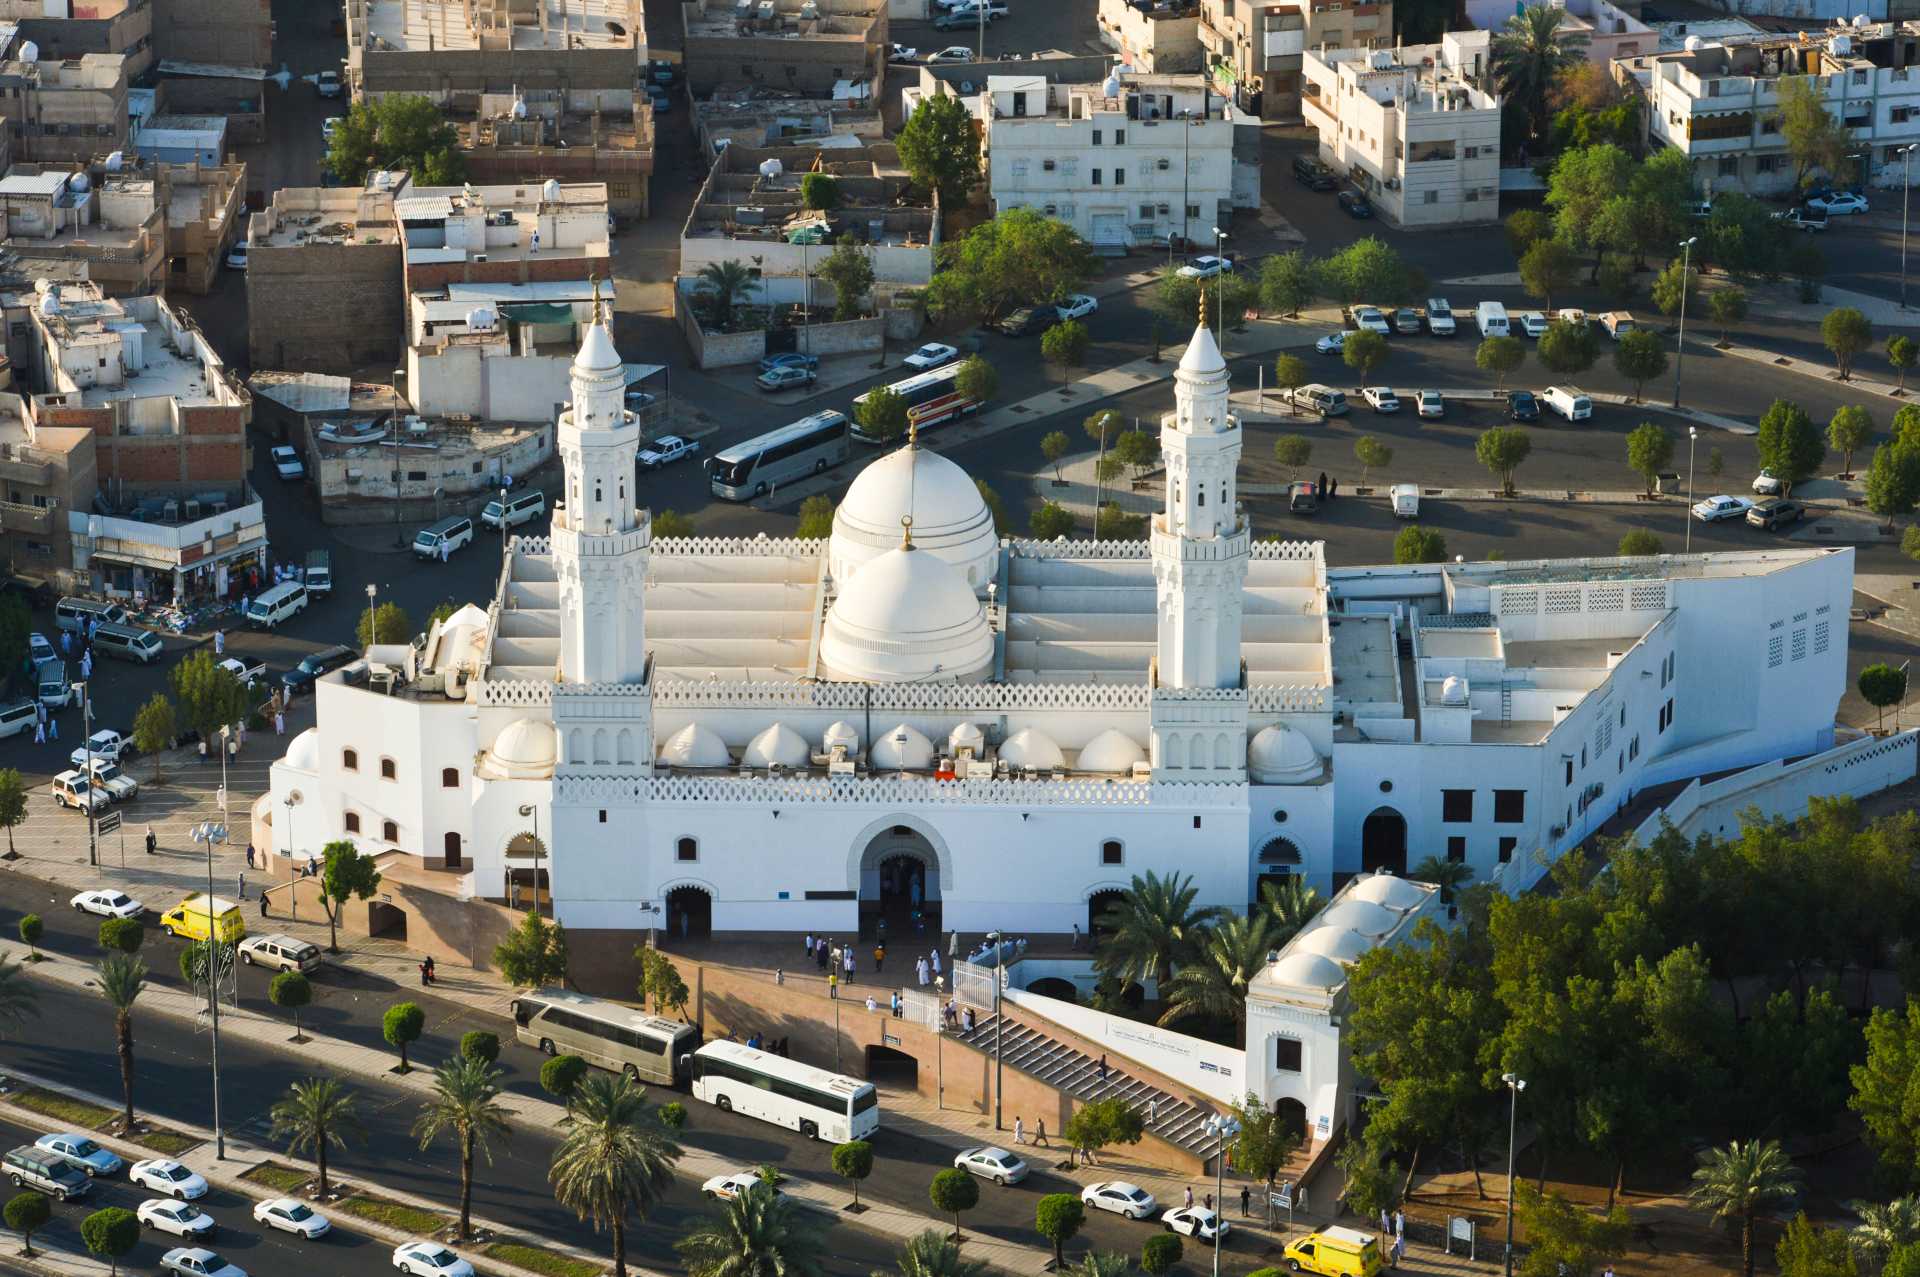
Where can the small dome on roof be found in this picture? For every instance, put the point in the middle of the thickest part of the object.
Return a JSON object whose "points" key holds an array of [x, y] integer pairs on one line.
{"points": [[1031, 747], [778, 744], [968, 736], [909, 616], [1363, 916], [1385, 889], [525, 749], [1308, 971], [841, 733], [304, 753], [1111, 751], [695, 746], [1282, 755], [1334, 942], [905, 748]]}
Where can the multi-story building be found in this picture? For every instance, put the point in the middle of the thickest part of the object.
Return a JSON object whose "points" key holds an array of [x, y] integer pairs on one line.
{"points": [[1606, 30], [1718, 103], [534, 232], [228, 33], [1255, 51], [1154, 35], [326, 282], [64, 112], [114, 225], [805, 47], [62, 29], [1411, 128], [45, 472], [533, 136], [203, 204], [448, 50], [1127, 161]]}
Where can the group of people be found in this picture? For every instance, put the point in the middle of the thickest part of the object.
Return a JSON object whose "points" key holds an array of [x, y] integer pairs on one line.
{"points": [[1329, 488], [773, 1046], [1393, 1236]]}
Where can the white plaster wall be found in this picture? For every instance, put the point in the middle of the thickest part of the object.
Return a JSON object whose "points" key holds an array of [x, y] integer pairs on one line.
{"points": [[1207, 1067], [422, 737]]}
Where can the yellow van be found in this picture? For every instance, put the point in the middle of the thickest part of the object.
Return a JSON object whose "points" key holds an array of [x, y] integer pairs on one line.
{"points": [[1336, 1252], [189, 918]]}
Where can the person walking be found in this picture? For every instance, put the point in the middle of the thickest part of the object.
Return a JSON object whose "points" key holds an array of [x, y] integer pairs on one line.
{"points": [[1208, 1199], [263, 904], [219, 642], [152, 842], [849, 964], [1019, 1130], [53, 729], [1386, 1224], [1189, 1201], [40, 732], [833, 985], [1103, 1077], [879, 958], [242, 886], [1040, 1133], [1153, 1111], [279, 723], [935, 955], [1323, 482], [1399, 1223], [1246, 1201], [871, 1004], [809, 944]]}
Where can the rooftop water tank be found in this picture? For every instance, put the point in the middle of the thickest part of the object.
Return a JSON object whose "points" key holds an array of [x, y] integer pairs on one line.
{"points": [[1843, 46], [550, 191], [115, 160], [29, 51], [771, 168], [50, 304], [80, 182], [482, 319]]}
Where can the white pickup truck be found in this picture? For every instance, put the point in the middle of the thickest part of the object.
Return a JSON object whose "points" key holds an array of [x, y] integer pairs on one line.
{"points": [[247, 674]]}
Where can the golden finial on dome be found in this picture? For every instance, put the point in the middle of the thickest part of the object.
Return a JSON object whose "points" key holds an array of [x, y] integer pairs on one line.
{"points": [[913, 434], [906, 532], [1203, 304]]}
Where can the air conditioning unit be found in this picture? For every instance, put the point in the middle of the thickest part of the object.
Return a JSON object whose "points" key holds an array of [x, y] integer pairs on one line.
{"points": [[1393, 183], [1163, 210], [1163, 165]]}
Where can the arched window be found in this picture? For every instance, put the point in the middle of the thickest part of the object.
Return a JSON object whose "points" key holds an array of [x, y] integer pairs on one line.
{"points": [[1112, 853], [686, 849], [390, 831], [353, 822], [389, 770], [1279, 851], [1201, 493], [450, 778], [350, 759]]}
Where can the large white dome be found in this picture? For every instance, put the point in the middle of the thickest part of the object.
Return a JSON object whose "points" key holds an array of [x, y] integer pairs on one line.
{"points": [[1031, 747], [778, 744], [907, 617], [1385, 889], [1363, 916], [904, 748], [695, 746], [1111, 751], [950, 520]]}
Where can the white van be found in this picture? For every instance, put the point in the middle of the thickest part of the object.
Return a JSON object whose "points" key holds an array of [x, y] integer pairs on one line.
{"points": [[452, 533], [74, 614], [515, 510], [18, 717], [128, 643], [1492, 319], [55, 689], [1568, 402], [287, 599]]}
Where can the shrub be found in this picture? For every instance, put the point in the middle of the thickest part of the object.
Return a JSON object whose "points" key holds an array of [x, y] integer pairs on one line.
{"points": [[122, 935], [479, 1044], [561, 1074], [1161, 1252]]}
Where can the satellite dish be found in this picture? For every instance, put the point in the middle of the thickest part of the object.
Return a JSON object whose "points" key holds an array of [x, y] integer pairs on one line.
{"points": [[1861, 22], [50, 304]]}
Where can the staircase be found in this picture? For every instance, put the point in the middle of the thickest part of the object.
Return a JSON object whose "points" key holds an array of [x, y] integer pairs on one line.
{"points": [[1074, 1072]]}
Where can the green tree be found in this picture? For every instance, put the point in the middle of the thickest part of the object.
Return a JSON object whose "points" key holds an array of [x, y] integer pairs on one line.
{"points": [[1904, 1262], [480, 1044], [401, 1026], [466, 1105], [1663, 195], [1649, 452], [1814, 138], [1529, 53], [1159, 1253], [345, 874], [13, 805], [1500, 356], [1152, 928], [154, 729], [1287, 282], [1053, 446], [1502, 450], [1808, 1250], [1290, 372], [110, 1233], [1372, 1181], [1448, 875], [1050, 521], [850, 270], [1372, 455], [1415, 544], [399, 131], [1111, 523], [1057, 1217], [1265, 1143], [1848, 432], [1139, 449], [1364, 351], [615, 1161], [1902, 351], [1566, 1240], [533, 954], [1291, 904], [1065, 346], [820, 191], [671, 523], [314, 1116], [1893, 481], [1882, 685], [882, 414], [1640, 543], [291, 990], [1547, 267], [32, 925], [1740, 1181], [1176, 299], [1578, 191], [1906, 427], [933, 1254], [1910, 542], [1020, 258], [939, 151], [816, 518], [1639, 357], [953, 1191], [1882, 1230], [1673, 283], [391, 624], [28, 1212], [1213, 986], [660, 980], [121, 978], [853, 1162], [1292, 451], [977, 379], [122, 935], [1567, 349], [1728, 306], [1617, 280], [724, 285], [562, 1075], [1368, 270], [209, 697], [1789, 443], [1744, 240], [673, 1115], [1846, 333], [1102, 1124], [1525, 228]]}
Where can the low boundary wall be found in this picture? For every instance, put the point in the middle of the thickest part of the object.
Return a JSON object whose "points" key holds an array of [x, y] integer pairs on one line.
{"points": [[1782, 789]]}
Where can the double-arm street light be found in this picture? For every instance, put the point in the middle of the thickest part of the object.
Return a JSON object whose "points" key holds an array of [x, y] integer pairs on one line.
{"points": [[1515, 1085], [1680, 346], [1906, 191], [1223, 1127]]}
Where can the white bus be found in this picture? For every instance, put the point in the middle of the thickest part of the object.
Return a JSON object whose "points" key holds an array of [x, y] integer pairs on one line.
{"points": [[613, 1036], [932, 397], [818, 1104], [758, 466]]}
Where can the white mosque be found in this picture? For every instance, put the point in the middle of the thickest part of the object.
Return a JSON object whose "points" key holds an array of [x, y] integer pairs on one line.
{"points": [[918, 715]]}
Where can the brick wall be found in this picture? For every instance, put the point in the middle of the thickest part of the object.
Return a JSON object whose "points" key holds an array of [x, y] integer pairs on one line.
{"points": [[223, 32], [325, 308]]}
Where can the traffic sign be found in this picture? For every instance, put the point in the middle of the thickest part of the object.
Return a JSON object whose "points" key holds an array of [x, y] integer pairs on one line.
{"points": [[109, 823]]}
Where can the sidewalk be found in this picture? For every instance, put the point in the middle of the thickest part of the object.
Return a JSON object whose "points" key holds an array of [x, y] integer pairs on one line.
{"points": [[1857, 384]]}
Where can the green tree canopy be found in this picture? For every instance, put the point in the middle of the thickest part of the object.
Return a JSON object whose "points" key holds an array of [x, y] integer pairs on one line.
{"points": [[1415, 544], [1846, 333], [1640, 543], [1789, 443], [853, 1162], [1290, 372], [533, 954], [1057, 1217], [1850, 430], [561, 1074], [1372, 455], [1567, 349], [1500, 356], [1055, 445], [1547, 267], [816, 518], [1814, 138], [952, 1192], [110, 1233], [1502, 450], [1292, 451], [820, 191], [13, 804], [209, 697], [1582, 183], [1020, 258], [1525, 228], [977, 379], [660, 982], [402, 1026], [1529, 52], [881, 414], [1672, 283], [1882, 685], [1287, 283], [1728, 306], [397, 131], [1565, 1239], [1649, 452], [346, 873], [1050, 521], [1893, 480], [1065, 345], [1363, 352], [671, 523], [1639, 357], [849, 268], [291, 990], [27, 1212], [1368, 270], [939, 151], [391, 624], [1902, 351], [1740, 1181]]}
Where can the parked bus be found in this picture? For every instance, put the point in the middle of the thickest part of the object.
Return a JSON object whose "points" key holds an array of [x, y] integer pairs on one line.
{"points": [[818, 1104], [614, 1037], [932, 397], [758, 466]]}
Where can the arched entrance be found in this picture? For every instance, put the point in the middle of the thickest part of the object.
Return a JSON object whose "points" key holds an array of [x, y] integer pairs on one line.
{"points": [[1097, 905], [1054, 987], [526, 872], [387, 920], [1383, 842], [887, 1066], [1292, 1114], [689, 914], [899, 884]]}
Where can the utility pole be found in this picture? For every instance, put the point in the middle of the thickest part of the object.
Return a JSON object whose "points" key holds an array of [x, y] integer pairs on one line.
{"points": [[211, 832], [1515, 1085], [93, 784], [1680, 346]]}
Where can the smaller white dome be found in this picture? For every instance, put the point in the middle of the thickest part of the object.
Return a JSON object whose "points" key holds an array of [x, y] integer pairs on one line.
{"points": [[1385, 889], [841, 733], [1111, 751], [1363, 916], [526, 742], [1031, 747], [1308, 971], [1282, 755], [968, 736], [905, 748], [1453, 691], [695, 746], [778, 744], [1334, 942], [304, 753]]}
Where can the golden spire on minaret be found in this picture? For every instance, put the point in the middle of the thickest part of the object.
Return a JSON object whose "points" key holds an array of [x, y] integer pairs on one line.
{"points": [[1203, 304]]}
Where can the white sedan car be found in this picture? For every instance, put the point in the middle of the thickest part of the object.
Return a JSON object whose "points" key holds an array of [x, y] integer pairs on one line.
{"points": [[1205, 267], [287, 464], [292, 1216], [1331, 344], [164, 1175], [177, 1218], [1714, 509], [1078, 306], [1119, 1197], [1839, 204], [198, 1261], [108, 904], [1381, 398], [1531, 323], [1432, 404], [1371, 320], [1767, 483], [430, 1259], [996, 1164], [932, 355], [1196, 1221], [951, 54]]}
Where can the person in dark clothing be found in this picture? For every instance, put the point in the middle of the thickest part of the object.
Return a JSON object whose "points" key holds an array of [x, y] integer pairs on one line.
{"points": [[1333, 489], [1246, 1198], [1323, 481]]}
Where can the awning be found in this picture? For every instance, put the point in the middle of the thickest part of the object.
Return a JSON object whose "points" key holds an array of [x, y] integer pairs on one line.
{"points": [[538, 313]]}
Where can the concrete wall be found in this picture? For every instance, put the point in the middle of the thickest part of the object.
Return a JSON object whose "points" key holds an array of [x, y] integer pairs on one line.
{"points": [[1157, 42], [1208, 1067], [489, 387], [242, 102], [325, 308], [130, 32], [222, 32], [360, 489]]}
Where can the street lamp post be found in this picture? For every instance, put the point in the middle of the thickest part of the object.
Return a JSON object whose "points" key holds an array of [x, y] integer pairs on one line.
{"points": [[372, 633], [1906, 192], [211, 832], [1693, 437], [1000, 960], [1515, 1085], [1222, 1128], [1680, 346], [505, 533], [86, 732], [1220, 288]]}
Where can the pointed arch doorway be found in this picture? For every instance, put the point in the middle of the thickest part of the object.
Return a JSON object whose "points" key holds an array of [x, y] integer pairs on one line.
{"points": [[899, 884]]}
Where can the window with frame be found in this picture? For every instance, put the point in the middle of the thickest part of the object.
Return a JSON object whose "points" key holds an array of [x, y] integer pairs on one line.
{"points": [[1729, 166], [1119, 177], [1111, 852], [1456, 806], [389, 831], [1457, 849], [1506, 849], [353, 822], [1119, 137], [1509, 806], [685, 850], [1096, 137], [1096, 176], [389, 770], [449, 778], [350, 759], [1287, 1055]]}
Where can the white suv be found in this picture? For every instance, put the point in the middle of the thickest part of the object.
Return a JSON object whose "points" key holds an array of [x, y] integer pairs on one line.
{"points": [[1439, 317]]}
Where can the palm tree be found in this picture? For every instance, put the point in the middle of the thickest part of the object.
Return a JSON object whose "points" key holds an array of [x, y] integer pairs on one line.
{"points": [[1884, 1229], [316, 1114], [1214, 985], [18, 999], [934, 1254], [466, 1102], [1735, 1182], [1098, 1265], [759, 1235], [1448, 875], [728, 282], [1152, 928], [1290, 905], [122, 978], [1530, 53], [615, 1158]]}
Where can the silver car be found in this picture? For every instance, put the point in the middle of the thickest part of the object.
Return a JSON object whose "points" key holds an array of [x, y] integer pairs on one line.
{"points": [[996, 1164]]}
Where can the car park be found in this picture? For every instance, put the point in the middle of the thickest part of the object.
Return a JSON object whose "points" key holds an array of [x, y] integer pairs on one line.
{"points": [[1312, 174], [164, 1175], [178, 1218], [996, 1164], [82, 1153], [666, 450], [932, 355], [1369, 319], [724, 1188], [1196, 1221], [429, 1259], [1356, 205], [789, 360], [1767, 483], [1406, 320], [1205, 267], [1522, 406], [108, 903], [1078, 305], [1381, 398], [1331, 344], [1120, 1197], [1775, 513], [1838, 204], [1431, 403], [788, 378], [289, 1215], [1531, 323], [1439, 317], [287, 463], [1716, 508], [198, 1261], [113, 781], [279, 953]]}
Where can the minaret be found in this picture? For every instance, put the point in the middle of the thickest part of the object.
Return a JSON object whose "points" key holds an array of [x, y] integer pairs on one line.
{"points": [[601, 539]]}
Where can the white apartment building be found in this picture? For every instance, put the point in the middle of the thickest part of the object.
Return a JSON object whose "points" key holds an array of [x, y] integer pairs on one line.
{"points": [[1609, 30], [1410, 128], [1124, 162], [1718, 102], [1255, 51]]}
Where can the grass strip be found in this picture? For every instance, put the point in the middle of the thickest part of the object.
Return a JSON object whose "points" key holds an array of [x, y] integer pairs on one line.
{"points": [[408, 1219], [536, 1260], [167, 1143], [281, 1179], [97, 1117]]}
